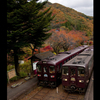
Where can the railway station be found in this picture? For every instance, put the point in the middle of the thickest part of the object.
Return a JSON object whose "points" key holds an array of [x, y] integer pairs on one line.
{"points": [[30, 90], [50, 50], [27, 91]]}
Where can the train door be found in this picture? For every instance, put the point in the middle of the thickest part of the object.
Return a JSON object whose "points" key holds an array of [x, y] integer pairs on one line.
{"points": [[52, 75], [73, 75], [39, 72], [45, 73]]}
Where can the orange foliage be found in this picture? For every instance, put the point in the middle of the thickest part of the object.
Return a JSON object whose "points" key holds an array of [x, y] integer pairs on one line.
{"points": [[90, 42], [45, 49], [78, 36], [71, 38]]}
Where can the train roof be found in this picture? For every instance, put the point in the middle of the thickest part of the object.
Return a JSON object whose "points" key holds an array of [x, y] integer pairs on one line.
{"points": [[75, 49], [89, 48], [81, 59], [55, 59]]}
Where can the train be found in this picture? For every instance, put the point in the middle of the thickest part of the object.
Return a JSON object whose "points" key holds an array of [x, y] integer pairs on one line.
{"points": [[49, 70], [76, 73]]}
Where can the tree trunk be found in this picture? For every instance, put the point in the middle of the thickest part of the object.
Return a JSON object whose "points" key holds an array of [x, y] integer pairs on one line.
{"points": [[16, 61], [32, 60]]}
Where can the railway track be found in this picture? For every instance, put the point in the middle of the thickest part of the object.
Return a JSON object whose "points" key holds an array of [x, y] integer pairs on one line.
{"points": [[47, 93], [42, 93]]}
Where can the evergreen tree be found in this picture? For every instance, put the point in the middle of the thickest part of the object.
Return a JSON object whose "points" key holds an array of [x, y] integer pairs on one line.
{"points": [[26, 23]]}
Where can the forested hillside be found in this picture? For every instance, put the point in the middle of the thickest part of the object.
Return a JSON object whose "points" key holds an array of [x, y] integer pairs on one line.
{"points": [[69, 29], [70, 18]]}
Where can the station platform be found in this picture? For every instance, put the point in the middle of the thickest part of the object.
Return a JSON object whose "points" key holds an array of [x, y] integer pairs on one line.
{"points": [[13, 93], [89, 95]]}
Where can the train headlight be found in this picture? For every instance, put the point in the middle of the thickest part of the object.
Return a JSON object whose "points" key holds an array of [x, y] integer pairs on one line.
{"points": [[72, 79], [64, 79], [81, 81], [52, 76], [39, 75]]}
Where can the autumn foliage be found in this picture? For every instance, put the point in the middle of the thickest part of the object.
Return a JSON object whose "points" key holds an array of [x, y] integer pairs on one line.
{"points": [[78, 37], [61, 39], [72, 19]]}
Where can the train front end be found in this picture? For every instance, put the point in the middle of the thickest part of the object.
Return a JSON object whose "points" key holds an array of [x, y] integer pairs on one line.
{"points": [[46, 74], [73, 78]]}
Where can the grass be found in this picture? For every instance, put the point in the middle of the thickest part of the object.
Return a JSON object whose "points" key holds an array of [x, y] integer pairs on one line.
{"points": [[24, 70], [9, 67]]}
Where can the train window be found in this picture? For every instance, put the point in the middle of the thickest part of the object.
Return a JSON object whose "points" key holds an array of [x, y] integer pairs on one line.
{"points": [[65, 61], [45, 69], [60, 65], [58, 68], [72, 72], [51, 69], [81, 71], [65, 71], [38, 68], [90, 63]]}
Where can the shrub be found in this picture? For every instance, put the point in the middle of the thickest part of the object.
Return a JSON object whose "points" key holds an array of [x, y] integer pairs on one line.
{"points": [[25, 68], [15, 78], [23, 74], [9, 67]]}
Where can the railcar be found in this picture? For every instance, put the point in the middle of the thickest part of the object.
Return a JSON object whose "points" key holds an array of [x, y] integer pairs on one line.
{"points": [[76, 73], [89, 48], [49, 69]]}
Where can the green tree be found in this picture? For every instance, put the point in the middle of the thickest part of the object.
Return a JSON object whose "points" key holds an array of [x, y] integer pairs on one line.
{"points": [[26, 23]]}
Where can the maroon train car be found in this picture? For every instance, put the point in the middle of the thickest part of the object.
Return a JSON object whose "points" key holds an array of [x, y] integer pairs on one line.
{"points": [[49, 69], [76, 73], [89, 48]]}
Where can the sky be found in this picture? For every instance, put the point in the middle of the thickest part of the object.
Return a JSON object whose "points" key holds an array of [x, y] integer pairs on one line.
{"points": [[83, 6]]}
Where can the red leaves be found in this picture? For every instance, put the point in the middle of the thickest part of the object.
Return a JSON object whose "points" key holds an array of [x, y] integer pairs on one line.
{"points": [[47, 48], [90, 42], [78, 36], [63, 39]]}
